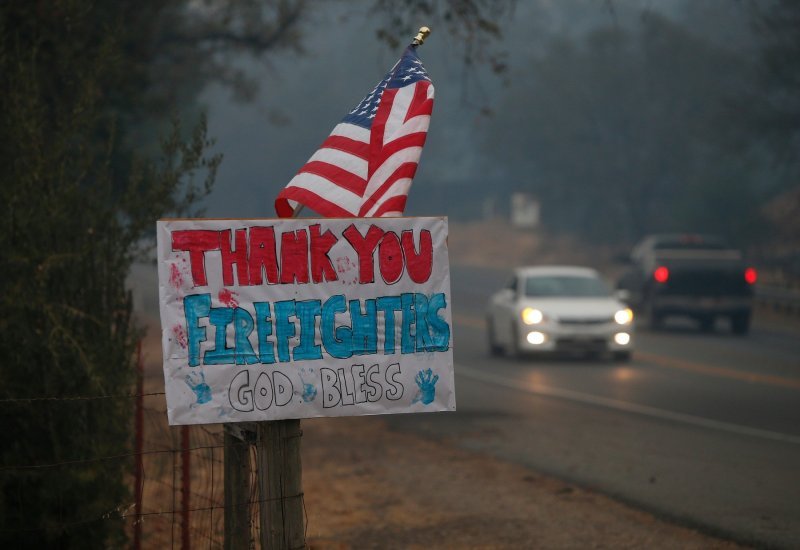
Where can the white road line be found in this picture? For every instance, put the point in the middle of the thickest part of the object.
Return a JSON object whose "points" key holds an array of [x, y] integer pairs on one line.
{"points": [[605, 402]]}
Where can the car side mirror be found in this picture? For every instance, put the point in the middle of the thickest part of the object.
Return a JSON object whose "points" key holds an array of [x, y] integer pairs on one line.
{"points": [[508, 294], [623, 258]]}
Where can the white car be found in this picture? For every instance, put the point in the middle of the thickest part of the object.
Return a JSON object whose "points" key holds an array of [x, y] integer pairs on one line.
{"points": [[559, 308]]}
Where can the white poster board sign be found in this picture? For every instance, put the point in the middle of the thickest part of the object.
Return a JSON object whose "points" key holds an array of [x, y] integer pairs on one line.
{"points": [[299, 318]]}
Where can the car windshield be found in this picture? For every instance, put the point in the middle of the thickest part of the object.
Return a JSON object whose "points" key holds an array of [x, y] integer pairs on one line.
{"points": [[566, 286]]}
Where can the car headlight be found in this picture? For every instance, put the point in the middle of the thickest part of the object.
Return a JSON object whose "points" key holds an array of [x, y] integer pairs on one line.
{"points": [[531, 316], [624, 316], [536, 338]]}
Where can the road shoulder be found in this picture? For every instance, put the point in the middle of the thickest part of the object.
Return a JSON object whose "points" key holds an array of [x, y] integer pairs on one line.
{"points": [[369, 487]]}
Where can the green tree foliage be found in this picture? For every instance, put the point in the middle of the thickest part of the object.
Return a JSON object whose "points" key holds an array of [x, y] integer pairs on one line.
{"points": [[618, 131], [778, 26], [474, 23], [476, 26], [76, 201]]}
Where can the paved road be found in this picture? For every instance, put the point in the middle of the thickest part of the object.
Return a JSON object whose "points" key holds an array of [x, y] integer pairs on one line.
{"points": [[702, 428]]}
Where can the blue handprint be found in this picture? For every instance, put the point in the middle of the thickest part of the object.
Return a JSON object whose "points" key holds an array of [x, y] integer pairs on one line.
{"points": [[197, 383], [426, 381], [309, 390]]}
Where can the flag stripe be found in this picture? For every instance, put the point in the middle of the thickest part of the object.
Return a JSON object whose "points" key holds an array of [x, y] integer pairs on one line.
{"points": [[345, 161], [404, 170], [324, 188], [336, 175], [321, 204], [347, 145], [395, 161], [417, 125], [398, 110], [408, 104], [423, 100], [415, 141], [378, 127], [352, 131], [393, 206]]}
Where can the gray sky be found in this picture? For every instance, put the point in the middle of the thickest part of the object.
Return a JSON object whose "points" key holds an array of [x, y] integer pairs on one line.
{"points": [[302, 97]]}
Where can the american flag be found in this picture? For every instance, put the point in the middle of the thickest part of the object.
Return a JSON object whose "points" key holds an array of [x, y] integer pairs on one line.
{"points": [[365, 167]]}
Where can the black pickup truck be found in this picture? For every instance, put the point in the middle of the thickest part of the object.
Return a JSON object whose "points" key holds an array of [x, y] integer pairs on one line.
{"points": [[696, 276]]}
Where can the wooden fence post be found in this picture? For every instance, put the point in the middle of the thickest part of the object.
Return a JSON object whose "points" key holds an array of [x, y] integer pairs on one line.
{"points": [[185, 488], [280, 485], [237, 489], [139, 446]]}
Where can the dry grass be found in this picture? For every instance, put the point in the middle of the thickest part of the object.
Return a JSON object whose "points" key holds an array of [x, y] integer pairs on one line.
{"points": [[500, 245]]}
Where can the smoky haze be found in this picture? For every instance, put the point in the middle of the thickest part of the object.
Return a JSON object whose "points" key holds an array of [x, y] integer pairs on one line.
{"points": [[621, 118]]}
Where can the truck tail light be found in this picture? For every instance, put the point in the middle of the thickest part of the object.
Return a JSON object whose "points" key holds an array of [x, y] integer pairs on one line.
{"points": [[750, 275], [661, 274]]}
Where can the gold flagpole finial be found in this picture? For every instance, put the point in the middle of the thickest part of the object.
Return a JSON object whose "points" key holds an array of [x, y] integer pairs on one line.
{"points": [[421, 36]]}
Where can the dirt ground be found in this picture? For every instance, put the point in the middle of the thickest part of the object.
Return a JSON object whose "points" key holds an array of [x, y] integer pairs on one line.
{"points": [[368, 487], [500, 245]]}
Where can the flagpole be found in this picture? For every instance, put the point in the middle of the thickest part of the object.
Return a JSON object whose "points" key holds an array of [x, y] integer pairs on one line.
{"points": [[419, 39]]}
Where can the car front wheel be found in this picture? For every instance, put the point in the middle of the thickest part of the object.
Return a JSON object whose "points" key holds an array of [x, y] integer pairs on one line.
{"points": [[740, 323], [622, 356], [494, 348], [655, 319], [513, 344]]}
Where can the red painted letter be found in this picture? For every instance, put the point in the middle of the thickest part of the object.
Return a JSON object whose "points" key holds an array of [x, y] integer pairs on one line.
{"points": [[197, 242], [237, 256], [391, 258], [262, 255], [364, 247], [294, 257], [321, 244], [419, 266]]}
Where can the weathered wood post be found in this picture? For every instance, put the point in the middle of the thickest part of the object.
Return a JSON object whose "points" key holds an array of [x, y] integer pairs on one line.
{"points": [[139, 446], [280, 484], [186, 490], [279, 480], [237, 488]]}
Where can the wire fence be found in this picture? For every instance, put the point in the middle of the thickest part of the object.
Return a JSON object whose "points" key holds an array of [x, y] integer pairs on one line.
{"points": [[176, 477], [181, 483]]}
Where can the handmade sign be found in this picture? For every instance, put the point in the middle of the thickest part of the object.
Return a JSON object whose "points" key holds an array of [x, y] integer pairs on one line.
{"points": [[275, 319]]}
